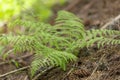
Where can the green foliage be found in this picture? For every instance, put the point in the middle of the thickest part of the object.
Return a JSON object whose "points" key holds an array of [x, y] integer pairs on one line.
{"points": [[56, 45], [41, 9], [7, 8], [24, 8], [100, 36]]}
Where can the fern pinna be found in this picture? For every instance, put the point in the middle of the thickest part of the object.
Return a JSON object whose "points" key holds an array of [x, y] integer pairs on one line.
{"points": [[56, 45]]}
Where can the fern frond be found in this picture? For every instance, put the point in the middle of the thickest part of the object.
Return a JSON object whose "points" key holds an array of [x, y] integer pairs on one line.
{"points": [[69, 22], [50, 57], [107, 41], [31, 26], [20, 42], [101, 33], [100, 37]]}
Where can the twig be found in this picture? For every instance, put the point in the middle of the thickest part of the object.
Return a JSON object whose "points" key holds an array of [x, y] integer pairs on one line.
{"points": [[25, 56], [98, 64], [37, 76], [10, 61], [70, 6], [14, 71], [111, 22], [68, 73], [26, 77], [6, 62], [85, 8]]}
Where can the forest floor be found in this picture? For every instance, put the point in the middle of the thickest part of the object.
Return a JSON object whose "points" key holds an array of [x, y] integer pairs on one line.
{"points": [[93, 63]]}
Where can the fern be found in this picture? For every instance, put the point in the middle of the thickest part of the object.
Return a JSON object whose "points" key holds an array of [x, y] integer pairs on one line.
{"points": [[56, 45], [51, 57], [102, 37]]}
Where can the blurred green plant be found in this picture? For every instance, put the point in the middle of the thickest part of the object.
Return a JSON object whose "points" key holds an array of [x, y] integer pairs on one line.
{"points": [[9, 8], [39, 8]]}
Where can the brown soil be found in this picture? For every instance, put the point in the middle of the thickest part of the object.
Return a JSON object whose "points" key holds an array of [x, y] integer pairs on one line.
{"points": [[93, 63]]}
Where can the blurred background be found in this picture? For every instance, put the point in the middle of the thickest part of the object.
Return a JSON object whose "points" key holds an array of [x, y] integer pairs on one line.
{"points": [[92, 12], [27, 9]]}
